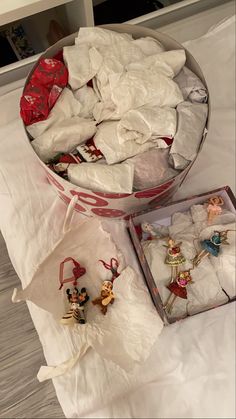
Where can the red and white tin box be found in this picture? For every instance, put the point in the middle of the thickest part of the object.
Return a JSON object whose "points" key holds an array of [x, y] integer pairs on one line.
{"points": [[163, 216], [115, 205]]}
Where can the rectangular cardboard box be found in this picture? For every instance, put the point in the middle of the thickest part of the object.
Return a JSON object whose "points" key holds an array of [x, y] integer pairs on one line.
{"points": [[163, 216]]}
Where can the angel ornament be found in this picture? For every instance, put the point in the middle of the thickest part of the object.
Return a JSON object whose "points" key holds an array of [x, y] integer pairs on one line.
{"points": [[154, 233], [106, 295], [178, 289], [211, 246], [174, 257], [214, 208]]}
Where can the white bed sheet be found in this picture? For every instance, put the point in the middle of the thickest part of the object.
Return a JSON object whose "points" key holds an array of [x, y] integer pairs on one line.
{"points": [[190, 372]]}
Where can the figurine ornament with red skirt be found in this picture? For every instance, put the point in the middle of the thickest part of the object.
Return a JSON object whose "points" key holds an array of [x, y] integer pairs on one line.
{"points": [[178, 288], [174, 257]]}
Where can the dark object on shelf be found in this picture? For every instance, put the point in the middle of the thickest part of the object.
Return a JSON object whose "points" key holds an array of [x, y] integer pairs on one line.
{"points": [[7, 55], [55, 32], [19, 41], [14, 45], [117, 11]]}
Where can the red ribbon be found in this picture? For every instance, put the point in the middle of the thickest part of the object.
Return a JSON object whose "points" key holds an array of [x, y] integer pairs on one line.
{"points": [[78, 271], [112, 266]]}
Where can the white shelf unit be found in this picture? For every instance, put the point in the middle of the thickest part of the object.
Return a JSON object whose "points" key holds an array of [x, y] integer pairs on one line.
{"points": [[35, 17], [182, 20], [12, 10]]}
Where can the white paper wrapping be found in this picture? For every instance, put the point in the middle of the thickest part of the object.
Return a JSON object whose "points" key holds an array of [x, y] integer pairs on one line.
{"points": [[190, 127], [63, 137], [87, 98], [151, 168], [191, 86], [80, 67], [148, 45], [116, 178], [104, 111], [97, 37], [106, 140], [146, 123], [115, 57], [136, 88], [65, 107], [168, 63]]}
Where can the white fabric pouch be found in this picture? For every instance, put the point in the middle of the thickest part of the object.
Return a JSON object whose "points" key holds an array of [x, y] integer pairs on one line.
{"points": [[126, 334]]}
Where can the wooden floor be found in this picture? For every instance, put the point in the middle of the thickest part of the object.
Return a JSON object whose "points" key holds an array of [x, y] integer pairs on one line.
{"points": [[21, 395]]}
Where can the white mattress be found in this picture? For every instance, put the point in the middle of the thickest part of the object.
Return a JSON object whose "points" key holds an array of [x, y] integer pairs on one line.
{"points": [[190, 372]]}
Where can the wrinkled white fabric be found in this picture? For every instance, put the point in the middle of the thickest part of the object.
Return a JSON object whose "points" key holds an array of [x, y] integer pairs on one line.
{"points": [[106, 140], [146, 123], [126, 343], [136, 88], [151, 168], [80, 66], [65, 107], [168, 63], [191, 86], [63, 137], [103, 333], [117, 178], [87, 98], [191, 123]]}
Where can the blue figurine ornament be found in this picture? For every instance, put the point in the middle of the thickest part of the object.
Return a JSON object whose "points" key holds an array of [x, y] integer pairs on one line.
{"points": [[211, 246]]}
